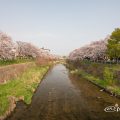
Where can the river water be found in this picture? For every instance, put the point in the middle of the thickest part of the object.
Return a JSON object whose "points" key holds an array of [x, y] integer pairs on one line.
{"points": [[61, 96]]}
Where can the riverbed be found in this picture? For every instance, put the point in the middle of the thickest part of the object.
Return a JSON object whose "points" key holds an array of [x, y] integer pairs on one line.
{"points": [[62, 96]]}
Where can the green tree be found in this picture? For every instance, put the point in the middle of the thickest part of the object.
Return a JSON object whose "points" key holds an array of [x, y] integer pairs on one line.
{"points": [[113, 47]]}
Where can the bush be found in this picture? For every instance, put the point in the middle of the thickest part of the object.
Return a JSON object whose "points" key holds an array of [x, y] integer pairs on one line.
{"points": [[109, 76]]}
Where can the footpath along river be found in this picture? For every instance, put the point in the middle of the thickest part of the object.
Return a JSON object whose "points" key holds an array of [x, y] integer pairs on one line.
{"points": [[61, 96]]}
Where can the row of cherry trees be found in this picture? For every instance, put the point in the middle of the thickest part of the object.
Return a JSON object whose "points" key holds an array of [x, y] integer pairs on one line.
{"points": [[11, 50], [103, 50], [95, 51]]}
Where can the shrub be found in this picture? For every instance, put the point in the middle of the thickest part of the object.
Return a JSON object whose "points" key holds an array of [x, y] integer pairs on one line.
{"points": [[108, 76]]}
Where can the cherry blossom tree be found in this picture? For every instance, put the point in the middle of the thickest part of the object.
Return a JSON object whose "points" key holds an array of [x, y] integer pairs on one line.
{"points": [[27, 50], [10, 50], [95, 51], [7, 47]]}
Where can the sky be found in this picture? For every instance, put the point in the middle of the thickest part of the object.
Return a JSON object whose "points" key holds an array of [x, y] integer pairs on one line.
{"points": [[59, 25]]}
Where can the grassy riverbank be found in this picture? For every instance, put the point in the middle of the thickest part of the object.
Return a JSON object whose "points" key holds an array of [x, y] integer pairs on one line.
{"points": [[21, 87], [16, 61], [106, 76]]}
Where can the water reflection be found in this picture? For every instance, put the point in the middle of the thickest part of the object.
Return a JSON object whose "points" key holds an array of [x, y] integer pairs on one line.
{"points": [[62, 96]]}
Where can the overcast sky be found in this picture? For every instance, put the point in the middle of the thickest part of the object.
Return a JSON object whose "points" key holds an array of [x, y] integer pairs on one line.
{"points": [[60, 25]]}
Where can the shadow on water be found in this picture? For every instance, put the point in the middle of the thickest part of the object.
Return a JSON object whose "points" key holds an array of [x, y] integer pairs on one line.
{"points": [[62, 96]]}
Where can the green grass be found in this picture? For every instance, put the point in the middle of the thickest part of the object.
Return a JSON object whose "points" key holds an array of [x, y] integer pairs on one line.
{"points": [[24, 86], [103, 74], [106, 83], [90, 77], [16, 61]]}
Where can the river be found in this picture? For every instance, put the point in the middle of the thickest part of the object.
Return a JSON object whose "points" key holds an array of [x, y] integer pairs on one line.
{"points": [[61, 96]]}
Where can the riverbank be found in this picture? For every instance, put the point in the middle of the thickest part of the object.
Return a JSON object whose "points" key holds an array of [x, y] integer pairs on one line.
{"points": [[20, 88], [16, 61], [106, 76], [10, 72], [63, 96]]}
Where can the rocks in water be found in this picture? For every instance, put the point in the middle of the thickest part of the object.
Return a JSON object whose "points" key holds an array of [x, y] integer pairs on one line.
{"points": [[102, 90], [98, 97]]}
